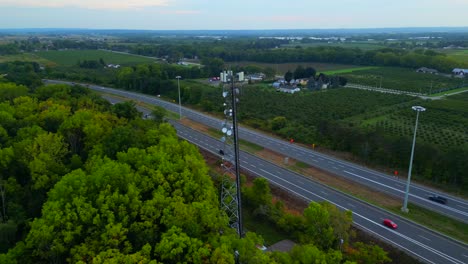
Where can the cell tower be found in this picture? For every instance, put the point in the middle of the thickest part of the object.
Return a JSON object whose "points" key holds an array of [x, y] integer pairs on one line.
{"points": [[231, 189]]}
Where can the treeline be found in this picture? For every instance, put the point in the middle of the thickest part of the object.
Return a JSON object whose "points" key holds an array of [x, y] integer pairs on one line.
{"points": [[25, 73], [232, 51], [91, 64], [9, 49]]}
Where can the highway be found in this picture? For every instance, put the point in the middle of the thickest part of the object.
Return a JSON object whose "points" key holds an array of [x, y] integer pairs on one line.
{"points": [[418, 241], [456, 208]]}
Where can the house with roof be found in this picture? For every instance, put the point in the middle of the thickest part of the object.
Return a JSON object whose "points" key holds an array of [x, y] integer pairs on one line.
{"points": [[460, 72], [427, 70]]}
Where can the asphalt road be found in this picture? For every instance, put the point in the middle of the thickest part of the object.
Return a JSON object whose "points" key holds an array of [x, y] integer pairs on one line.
{"points": [[456, 208], [418, 241]]}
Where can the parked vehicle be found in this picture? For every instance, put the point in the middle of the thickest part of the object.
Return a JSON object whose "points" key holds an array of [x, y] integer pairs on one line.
{"points": [[390, 223], [438, 199]]}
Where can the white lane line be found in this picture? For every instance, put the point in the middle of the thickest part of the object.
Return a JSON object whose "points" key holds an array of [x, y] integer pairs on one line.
{"points": [[324, 192], [315, 160], [462, 206], [466, 256], [253, 165], [341, 166], [335, 167], [424, 238], [352, 205]]}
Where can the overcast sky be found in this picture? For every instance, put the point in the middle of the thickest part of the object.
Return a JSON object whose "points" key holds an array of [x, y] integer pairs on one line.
{"points": [[234, 14]]}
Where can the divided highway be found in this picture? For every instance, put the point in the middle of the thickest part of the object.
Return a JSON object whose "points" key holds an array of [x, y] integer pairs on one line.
{"points": [[456, 208], [418, 241]]}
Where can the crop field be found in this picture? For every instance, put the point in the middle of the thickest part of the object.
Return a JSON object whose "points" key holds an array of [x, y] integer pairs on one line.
{"points": [[26, 57], [460, 55], [282, 68], [445, 123], [71, 57], [404, 80]]}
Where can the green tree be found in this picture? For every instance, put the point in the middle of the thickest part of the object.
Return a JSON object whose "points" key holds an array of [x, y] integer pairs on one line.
{"points": [[126, 110], [278, 123], [288, 76], [367, 254], [158, 114]]}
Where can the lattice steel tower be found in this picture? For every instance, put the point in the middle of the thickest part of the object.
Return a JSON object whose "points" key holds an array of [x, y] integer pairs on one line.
{"points": [[231, 189]]}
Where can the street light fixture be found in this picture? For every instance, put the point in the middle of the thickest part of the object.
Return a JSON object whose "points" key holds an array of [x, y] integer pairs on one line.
{"points": [[405, 203], [178, 88]]}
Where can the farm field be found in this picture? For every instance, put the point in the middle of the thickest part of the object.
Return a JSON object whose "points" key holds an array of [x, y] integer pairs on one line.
{"points": [[404, 80], [445, 123], [71, 57], [461, 55], [282, 68], [26, 57]]}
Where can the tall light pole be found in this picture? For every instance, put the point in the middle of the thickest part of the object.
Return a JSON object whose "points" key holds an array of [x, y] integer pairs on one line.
{"points": [[178, 88], [405, 203]]}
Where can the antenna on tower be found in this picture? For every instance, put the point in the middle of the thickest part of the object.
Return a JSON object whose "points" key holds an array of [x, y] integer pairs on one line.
{"points": [[231, 190]]}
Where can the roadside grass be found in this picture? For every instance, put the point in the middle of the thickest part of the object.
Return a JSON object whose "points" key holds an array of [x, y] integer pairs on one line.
{"points": [[26, 57], [71, 57]]}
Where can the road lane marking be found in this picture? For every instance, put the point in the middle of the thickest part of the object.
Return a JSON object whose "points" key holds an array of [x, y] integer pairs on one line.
{"points": [[424, 238], [462, 206], [352, 205]]}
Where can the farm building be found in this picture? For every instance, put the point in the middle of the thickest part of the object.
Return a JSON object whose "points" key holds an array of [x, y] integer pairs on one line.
{"points": [[461, 72], [427, 70]]}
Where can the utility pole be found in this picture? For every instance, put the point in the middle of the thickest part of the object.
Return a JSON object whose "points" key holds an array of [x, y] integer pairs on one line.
{"points": [[405, 202]]}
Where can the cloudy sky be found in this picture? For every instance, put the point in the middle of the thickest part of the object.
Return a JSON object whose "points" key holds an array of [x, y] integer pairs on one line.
{"points": [[234, 14]]}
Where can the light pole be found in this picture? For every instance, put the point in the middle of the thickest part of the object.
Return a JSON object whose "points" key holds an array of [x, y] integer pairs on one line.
{"points": [[405, 203], [178, 88]]}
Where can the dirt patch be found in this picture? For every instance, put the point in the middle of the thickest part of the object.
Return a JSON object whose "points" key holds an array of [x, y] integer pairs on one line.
{"points": [[194, 125]]}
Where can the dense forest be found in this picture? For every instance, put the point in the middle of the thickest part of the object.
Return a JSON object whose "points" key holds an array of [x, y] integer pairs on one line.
{"points": [[83, 181]]}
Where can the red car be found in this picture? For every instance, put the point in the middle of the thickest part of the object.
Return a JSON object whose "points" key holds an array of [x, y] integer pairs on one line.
{"points": [[390, 223]]}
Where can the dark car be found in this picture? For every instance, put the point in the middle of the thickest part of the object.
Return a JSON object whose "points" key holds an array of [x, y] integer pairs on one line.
{"points": [[438, 199], [390, 223]]}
